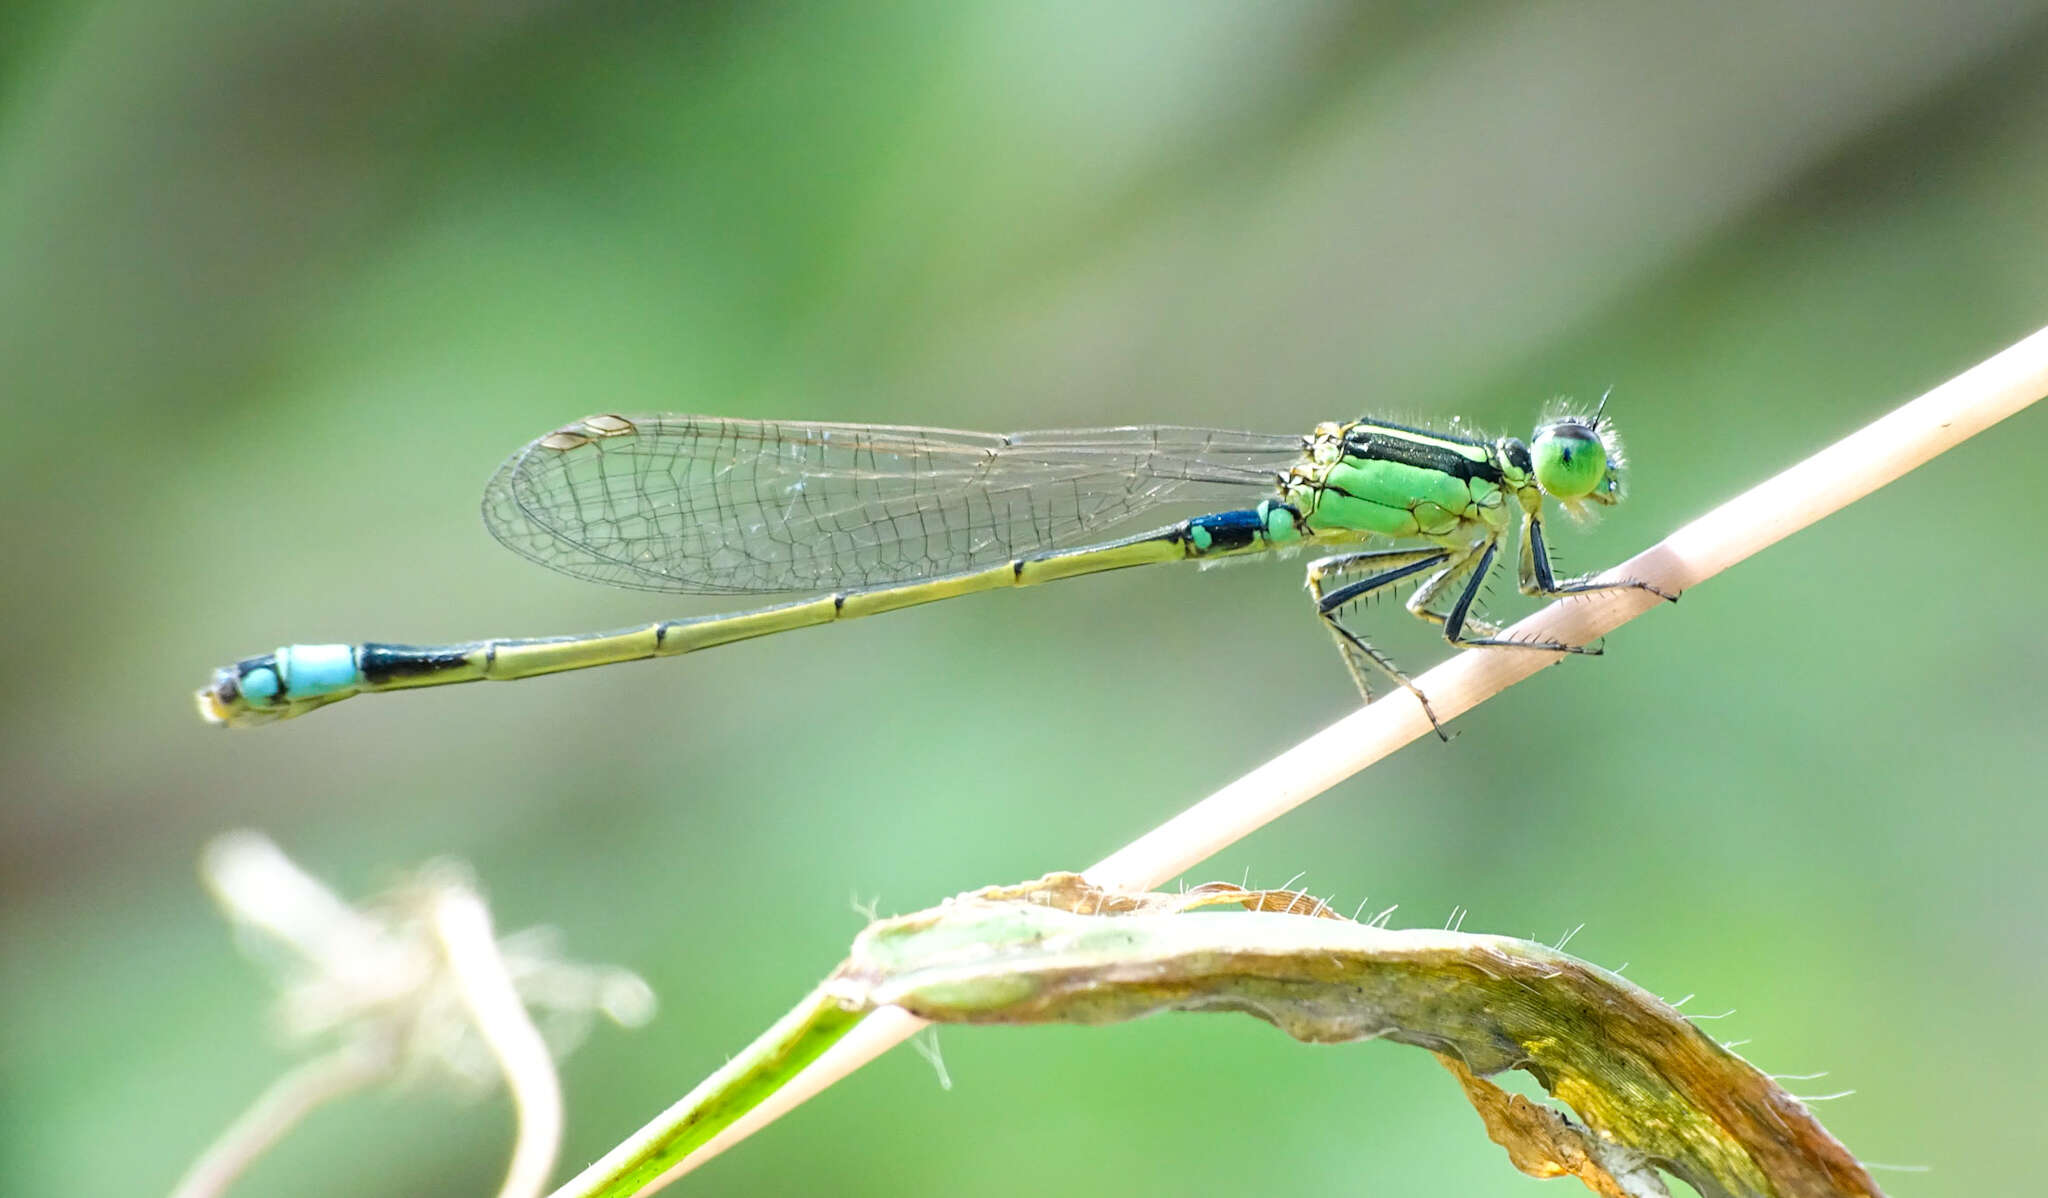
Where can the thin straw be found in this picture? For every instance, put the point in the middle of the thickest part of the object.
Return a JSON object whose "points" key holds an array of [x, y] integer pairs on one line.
{"points": [[1765, 514]]}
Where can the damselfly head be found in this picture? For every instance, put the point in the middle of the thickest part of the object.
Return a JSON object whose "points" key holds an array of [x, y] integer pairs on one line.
{"points": [[1578, 457]]}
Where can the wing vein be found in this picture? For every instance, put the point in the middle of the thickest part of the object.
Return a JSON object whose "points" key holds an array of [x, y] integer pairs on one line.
{"points": [[715, 506]]}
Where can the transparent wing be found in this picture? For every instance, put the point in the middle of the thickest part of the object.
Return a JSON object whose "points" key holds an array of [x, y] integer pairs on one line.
{"points": [[702, 504]]}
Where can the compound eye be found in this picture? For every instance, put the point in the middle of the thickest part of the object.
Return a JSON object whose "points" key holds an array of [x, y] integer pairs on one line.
{"points": [[1569, 459]]}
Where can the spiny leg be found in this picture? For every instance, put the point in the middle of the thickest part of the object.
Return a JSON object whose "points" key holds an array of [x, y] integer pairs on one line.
{"points": [[1467, 573], [1535, 579], [1473, 570], [1388, 566]]}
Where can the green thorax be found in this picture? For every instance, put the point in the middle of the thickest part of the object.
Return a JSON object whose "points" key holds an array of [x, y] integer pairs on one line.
{"points": [[1372, 477]]}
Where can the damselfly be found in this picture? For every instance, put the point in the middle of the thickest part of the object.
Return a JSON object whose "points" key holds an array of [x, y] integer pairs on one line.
{"points": [[873, 518]]}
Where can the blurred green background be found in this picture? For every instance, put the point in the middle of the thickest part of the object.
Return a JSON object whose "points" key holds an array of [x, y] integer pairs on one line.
{"points": [[281, 284]]}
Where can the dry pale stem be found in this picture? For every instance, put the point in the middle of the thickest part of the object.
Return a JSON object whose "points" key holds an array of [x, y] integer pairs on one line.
{"points": [[1808, 492], [463, 926], [278, 1110]]}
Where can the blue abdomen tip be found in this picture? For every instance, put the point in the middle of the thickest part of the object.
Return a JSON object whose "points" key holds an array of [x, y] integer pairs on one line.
{"points": [[259, 685], [318, 669]]}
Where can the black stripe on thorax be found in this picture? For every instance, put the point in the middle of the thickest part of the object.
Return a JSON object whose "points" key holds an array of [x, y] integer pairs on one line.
{"points": [[1394, 443]]}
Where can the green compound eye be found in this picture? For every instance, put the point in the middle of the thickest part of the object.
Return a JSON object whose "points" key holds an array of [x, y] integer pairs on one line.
{"points": [[1570, 461]]}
